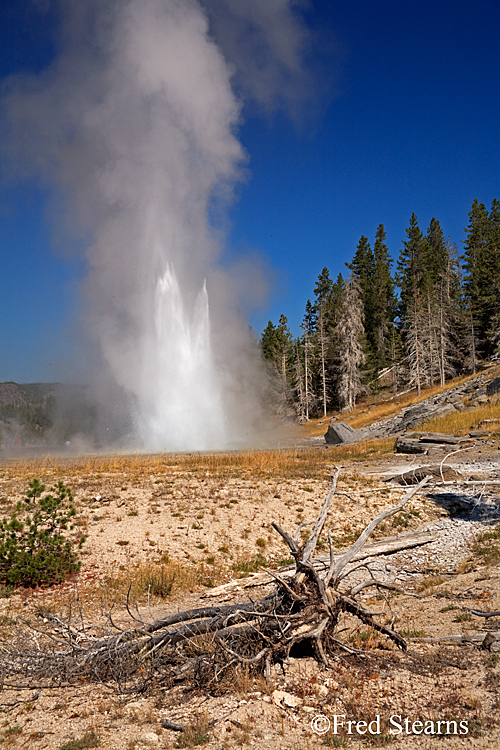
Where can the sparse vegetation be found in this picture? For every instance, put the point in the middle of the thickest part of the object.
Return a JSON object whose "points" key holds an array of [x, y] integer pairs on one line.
{"points": [[486, 548], [429, 583], [34, 546], [162, 579], [89, 740], [463, 617], [244, 566], [195, 734]]}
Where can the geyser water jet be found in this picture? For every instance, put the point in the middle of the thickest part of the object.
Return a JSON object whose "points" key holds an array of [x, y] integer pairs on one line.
{"points": [[181, 403]]}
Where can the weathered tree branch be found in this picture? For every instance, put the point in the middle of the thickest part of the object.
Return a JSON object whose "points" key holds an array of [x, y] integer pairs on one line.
{"points": [[351, 552]]}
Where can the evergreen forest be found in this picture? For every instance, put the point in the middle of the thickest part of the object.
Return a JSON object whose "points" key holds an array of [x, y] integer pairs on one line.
{"points": [[432, 317]]}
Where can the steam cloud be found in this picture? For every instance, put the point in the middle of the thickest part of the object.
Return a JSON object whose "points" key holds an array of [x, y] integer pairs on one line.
{"points": [[133, 127]]}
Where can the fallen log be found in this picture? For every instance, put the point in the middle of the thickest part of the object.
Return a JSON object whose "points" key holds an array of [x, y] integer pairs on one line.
{"points": [[425, 441], [441, 437], [409, 445], [480, 613]]}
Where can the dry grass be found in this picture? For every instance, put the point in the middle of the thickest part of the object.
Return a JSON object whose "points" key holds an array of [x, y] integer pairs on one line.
{"points": [[196, 733], [461, 422], [486, 549], [430, 583], [288, 463], [161, 580], [363, 450]]}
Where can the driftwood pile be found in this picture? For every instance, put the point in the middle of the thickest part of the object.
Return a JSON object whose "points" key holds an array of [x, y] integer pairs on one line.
{"points": [[209, 644]]}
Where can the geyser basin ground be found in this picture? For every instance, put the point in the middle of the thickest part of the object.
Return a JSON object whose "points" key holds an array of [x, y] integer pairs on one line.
{"points": [[196, 508]]}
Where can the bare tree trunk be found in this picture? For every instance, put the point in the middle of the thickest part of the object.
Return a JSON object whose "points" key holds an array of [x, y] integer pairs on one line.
{"points": [[417, 355], [473, 344], [351, 355], [300, 387], [442, 341], [429, 334], [306, 374], [284, 377], [323, 357]]}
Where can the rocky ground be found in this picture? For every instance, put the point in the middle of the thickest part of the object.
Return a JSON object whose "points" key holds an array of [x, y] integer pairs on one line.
{"points": [[214, 518]]}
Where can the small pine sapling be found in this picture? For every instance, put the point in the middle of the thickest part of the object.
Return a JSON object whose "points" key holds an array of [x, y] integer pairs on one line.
{"points": [[34, 545]]}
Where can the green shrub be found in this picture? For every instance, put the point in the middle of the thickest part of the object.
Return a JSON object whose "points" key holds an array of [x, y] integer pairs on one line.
{"points": [[34, 549]]}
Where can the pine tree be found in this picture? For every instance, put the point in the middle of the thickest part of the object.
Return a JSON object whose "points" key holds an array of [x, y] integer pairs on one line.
{"points": [[411, 265], [448, 311], [277, 350], [382, 303], [411, 279], [493, 330], [268, 343], [335, 313], [322, 290], [435, 261], [308, 328], [363, 267], [482, 265], [351, 355]]}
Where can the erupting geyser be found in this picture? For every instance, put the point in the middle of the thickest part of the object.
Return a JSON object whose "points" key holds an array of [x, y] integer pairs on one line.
{"points": [[182, 403], [133, 128]]}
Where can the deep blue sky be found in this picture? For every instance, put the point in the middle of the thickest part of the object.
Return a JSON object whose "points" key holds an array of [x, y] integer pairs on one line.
{"points": [[411, 124]]}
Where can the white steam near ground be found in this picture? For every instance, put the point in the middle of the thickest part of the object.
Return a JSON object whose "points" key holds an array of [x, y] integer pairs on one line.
{"points": [[134, 129]]}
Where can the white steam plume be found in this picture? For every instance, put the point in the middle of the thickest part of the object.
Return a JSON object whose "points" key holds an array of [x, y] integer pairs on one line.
{"points": [[133, 125]]}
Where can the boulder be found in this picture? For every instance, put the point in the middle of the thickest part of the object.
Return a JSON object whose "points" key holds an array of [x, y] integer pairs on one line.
{"points": [[340, 432], [493, 387], [480, 399]]}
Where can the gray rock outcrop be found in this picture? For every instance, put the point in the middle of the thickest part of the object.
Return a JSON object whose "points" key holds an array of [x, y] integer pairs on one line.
{"points": [[340, 432]]}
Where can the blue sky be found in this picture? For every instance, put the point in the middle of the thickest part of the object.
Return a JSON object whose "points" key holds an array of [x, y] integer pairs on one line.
{"points": [[411, 123]]}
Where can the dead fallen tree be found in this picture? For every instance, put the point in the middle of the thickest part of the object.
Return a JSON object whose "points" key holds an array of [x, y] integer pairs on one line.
{"points": [[210, 643], [385, 546]]}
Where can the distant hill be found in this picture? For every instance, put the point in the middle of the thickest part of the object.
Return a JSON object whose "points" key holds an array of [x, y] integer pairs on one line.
{"points": [[28, 393]]}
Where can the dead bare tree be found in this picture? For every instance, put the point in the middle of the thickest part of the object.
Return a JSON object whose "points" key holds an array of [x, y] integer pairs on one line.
{"points": [[209, 642]]}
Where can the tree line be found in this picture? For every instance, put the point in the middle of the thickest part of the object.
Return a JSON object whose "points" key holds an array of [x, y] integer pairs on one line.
{"points": [[435, 316]]}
